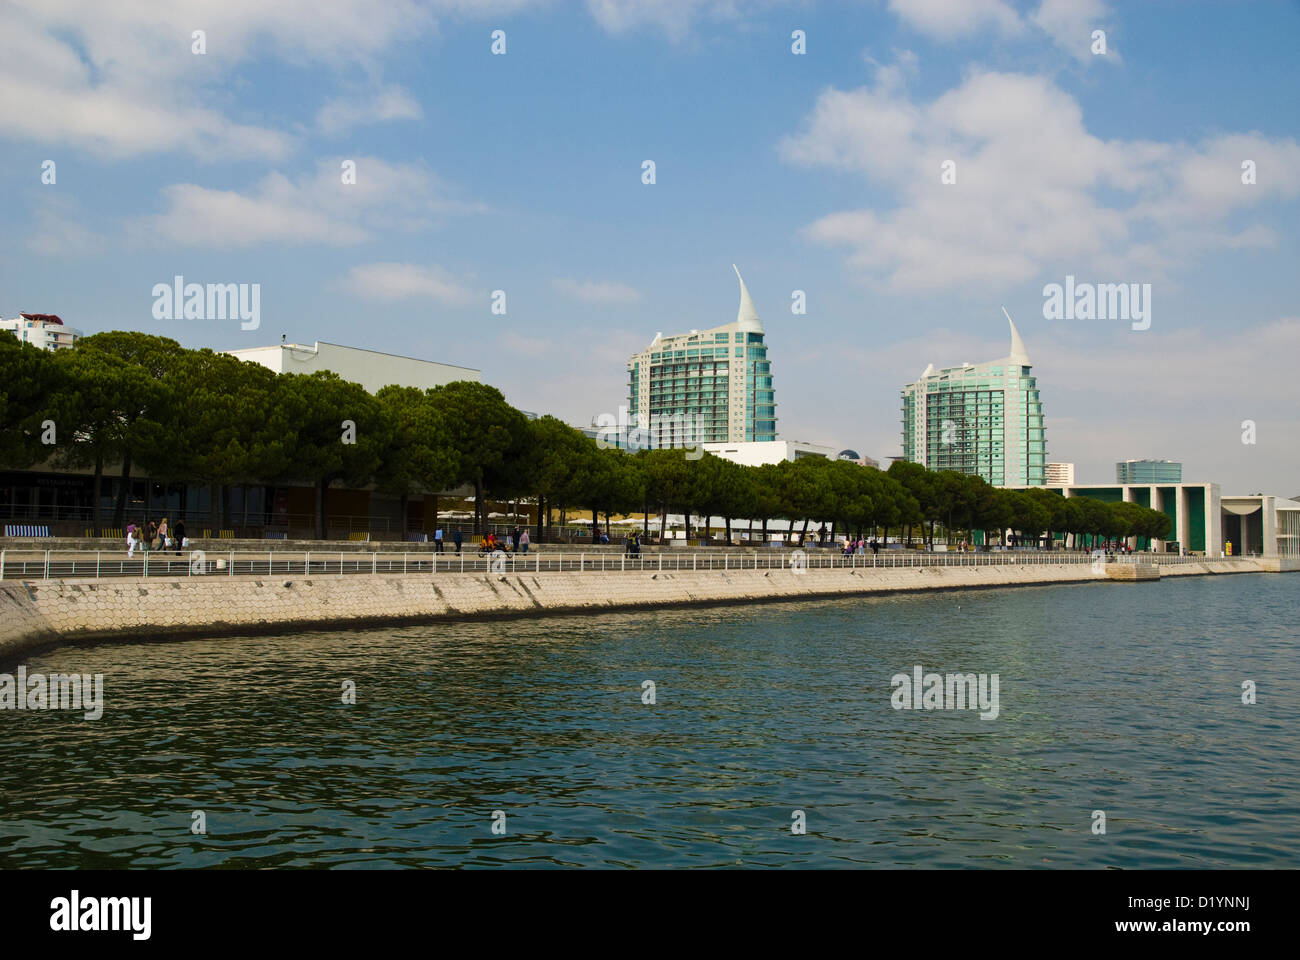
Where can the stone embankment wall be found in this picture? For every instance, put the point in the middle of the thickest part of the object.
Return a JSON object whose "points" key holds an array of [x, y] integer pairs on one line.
{"points": [[40, 612]]}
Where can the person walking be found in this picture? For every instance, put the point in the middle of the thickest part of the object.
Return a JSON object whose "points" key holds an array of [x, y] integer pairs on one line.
{"points": [[151, 534], [180, 536], [524, 540], [131, 540], [437, 540], [458, 538], [162, 534]]}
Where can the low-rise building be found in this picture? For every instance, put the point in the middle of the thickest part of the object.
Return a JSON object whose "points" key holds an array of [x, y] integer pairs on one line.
{"points": [[370, 368], [755, 453], [1058, 473], [43, 330]]}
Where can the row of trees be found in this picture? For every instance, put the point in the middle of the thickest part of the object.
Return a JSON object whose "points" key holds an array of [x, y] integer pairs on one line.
{"points": [[130, 401]]}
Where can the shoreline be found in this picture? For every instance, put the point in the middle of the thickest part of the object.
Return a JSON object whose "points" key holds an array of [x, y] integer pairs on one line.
{"points": [[46, 614]]}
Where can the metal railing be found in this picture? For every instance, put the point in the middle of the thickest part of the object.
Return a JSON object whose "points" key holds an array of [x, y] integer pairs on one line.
{"points": [[53, 564]]}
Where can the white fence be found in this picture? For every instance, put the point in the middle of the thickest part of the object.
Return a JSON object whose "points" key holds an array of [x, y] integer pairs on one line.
{"points": [[52, 564]]}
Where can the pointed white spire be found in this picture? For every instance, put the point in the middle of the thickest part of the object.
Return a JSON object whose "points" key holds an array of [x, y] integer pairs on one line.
{"points": [[1018, 352], [747, 316], [929, 369]]}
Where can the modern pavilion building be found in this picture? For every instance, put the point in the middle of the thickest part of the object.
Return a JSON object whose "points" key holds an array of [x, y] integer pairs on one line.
{"points": [[985, 419], [714, 385]]}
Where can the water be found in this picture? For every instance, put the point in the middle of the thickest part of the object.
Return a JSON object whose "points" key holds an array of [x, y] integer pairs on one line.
{"points": [[1125, 699]]}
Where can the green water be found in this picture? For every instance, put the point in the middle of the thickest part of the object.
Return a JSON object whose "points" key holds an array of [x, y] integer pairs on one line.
{"points": [[1125, 699]]}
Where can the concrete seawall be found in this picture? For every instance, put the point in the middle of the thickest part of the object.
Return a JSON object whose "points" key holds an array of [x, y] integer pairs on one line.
{"points": [[38, 613]]}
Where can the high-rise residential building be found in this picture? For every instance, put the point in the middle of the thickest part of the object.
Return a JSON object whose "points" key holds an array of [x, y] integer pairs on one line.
{"points": [[706, 386], [1059, 473], [984, 419], [43, 330], [1149, 471]]}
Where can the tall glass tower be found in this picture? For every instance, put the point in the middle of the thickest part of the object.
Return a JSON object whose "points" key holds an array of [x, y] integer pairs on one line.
{"points": [[719, 379], [985, 419]]}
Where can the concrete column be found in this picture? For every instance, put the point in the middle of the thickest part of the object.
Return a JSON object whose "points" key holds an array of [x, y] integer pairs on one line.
{"points": [[1269, 527], [1154, 500], [1213, 520], [1182, 522], [1128, 496]]}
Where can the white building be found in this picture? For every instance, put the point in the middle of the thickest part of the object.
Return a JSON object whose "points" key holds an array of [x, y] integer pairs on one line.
{"points": [[1059, 474], [758, 452], [1260, 525], [371, 369], [43, 330]]}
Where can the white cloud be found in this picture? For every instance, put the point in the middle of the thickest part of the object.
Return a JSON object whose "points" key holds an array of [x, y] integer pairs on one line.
{"points": [[1070, 24], [1034, 189], [318, 209], [121, 78], [674, 17], [344, 113], [407, 281], [591, 292], [951, 19]]}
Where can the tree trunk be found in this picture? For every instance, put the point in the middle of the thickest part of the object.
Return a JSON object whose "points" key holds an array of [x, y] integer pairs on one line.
{"points": [[765, 531], [727, 518], [322, 517], [214, 508], [540, 501], [686, 516], [595, 528], [404, 506], [480, 516], [645, 516], [803, 535], [663, 522], [99, 484], [123, 494]]}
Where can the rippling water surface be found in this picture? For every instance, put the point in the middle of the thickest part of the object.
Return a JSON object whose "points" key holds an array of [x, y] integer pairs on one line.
{"points": [[1125, 699]]}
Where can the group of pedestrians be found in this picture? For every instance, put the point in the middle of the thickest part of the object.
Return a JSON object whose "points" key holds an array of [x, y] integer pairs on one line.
{"points": [[457, 537], [860, 546], [155, 536]]}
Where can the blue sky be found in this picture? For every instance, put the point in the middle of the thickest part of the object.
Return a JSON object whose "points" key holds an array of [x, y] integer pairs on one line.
{"points": [[817, 172]]}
